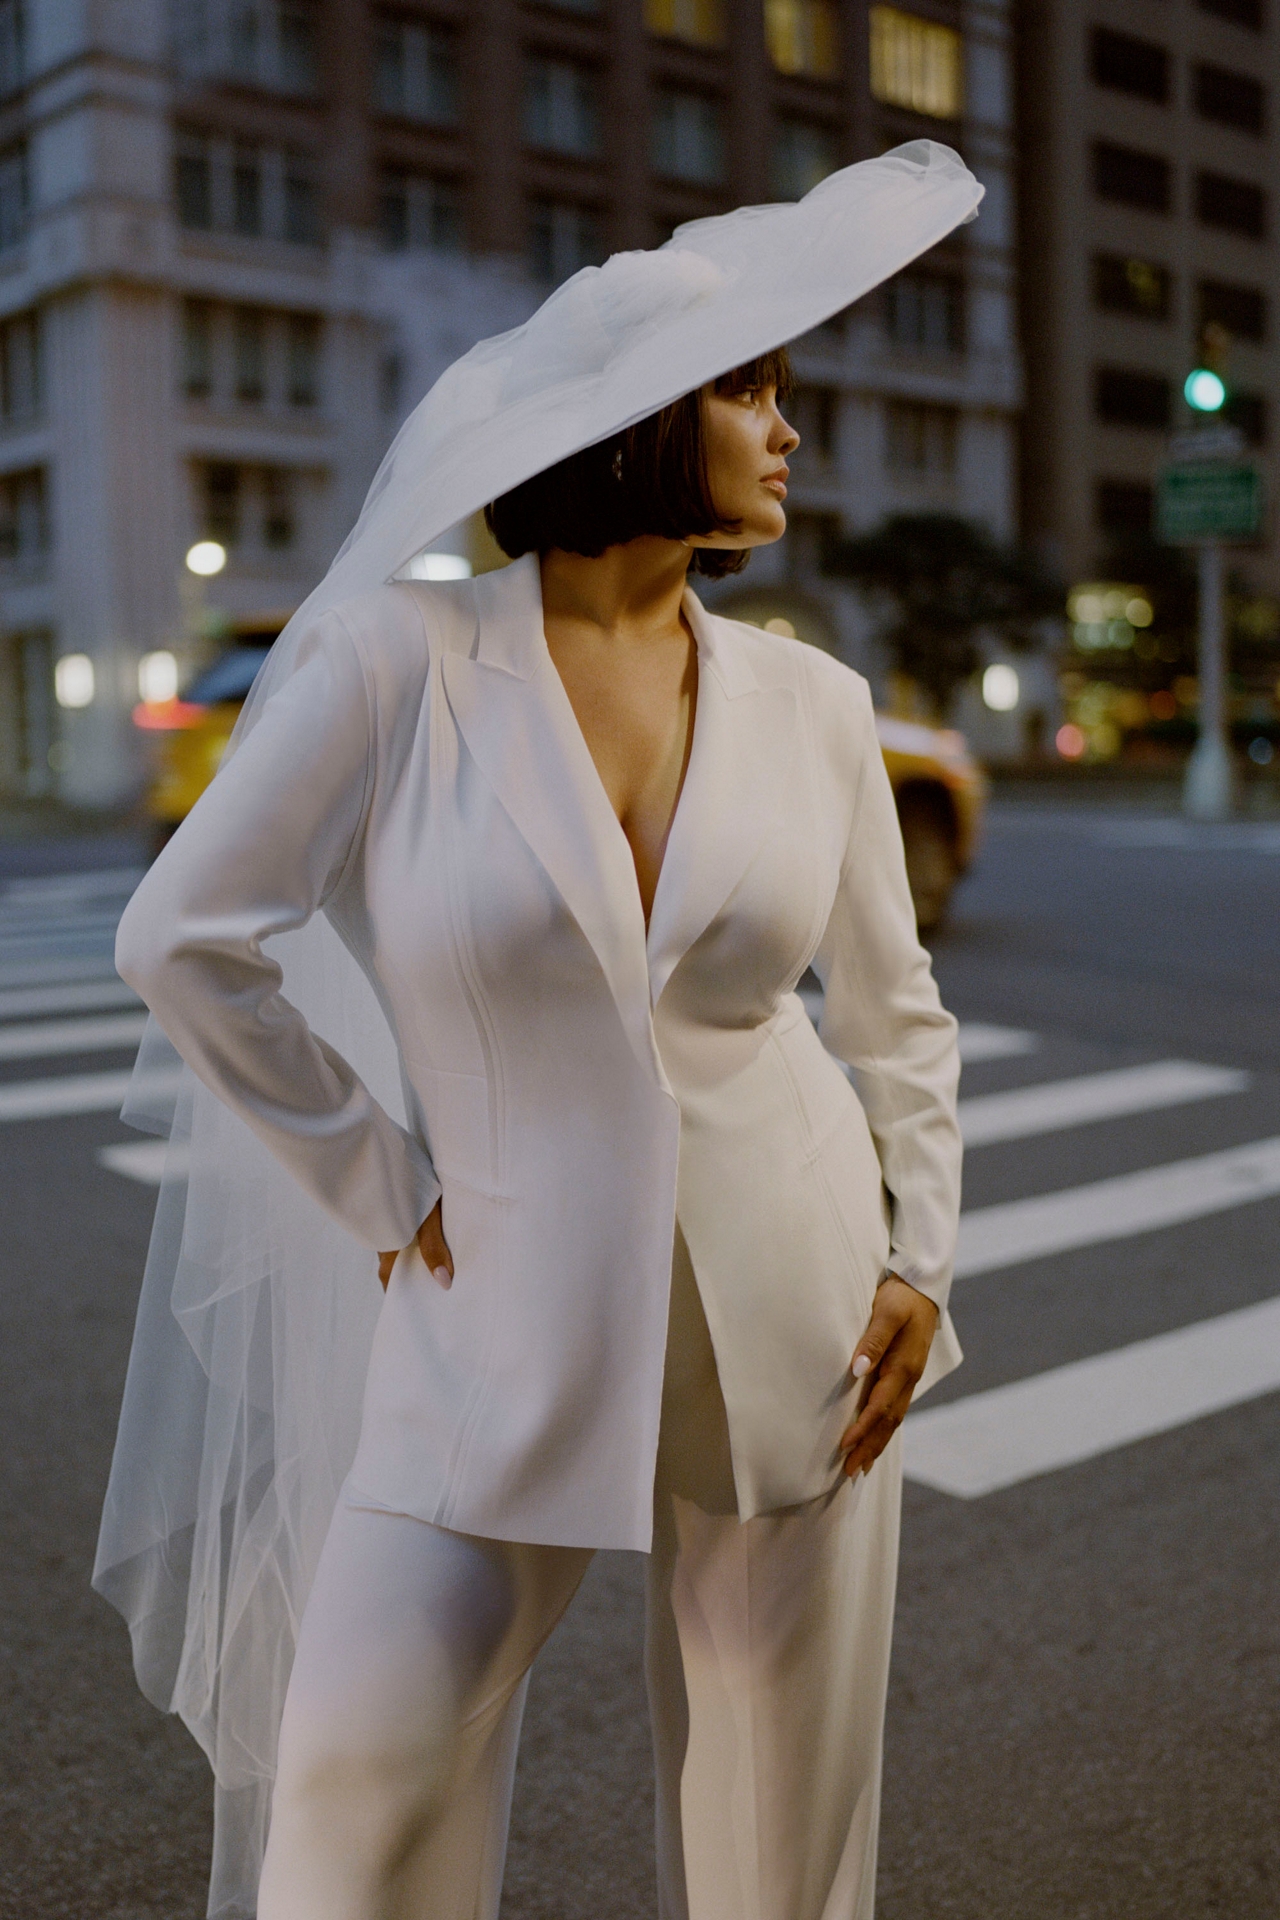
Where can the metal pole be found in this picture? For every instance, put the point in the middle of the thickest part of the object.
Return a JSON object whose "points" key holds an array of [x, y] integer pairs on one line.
{"points": [[1206, 792]]}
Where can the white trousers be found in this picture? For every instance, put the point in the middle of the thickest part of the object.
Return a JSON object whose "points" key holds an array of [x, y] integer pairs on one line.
{"points": [[766, 1652]]}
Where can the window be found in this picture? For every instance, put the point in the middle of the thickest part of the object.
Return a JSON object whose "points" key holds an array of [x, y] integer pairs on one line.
{"points": [[916, 64], [12, 57], [1248, 411], [251, 354], [920, 440], [278, 527], [814, 414], [246, 193], [24, 523], [194, 180], [1119, 61], [419, 214], [1127, 285], [1125, 399], [563, 239], [1241, 13], [803, 36], [297, 66], [20, 368], [301, 202], [698, 21], [1123, 506], [1237, 206], [197, 349], [1241, 311], [688, 137], [1131, 178], [269, 43], [1232, 99], [926, 310], [222, 503], [416, 72], [561, 108], [803, 154], [26, 714], [14, 198], [302, 337]]}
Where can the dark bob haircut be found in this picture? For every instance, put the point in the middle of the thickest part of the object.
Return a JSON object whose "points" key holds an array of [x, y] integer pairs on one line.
{"points": [[649, 479]]}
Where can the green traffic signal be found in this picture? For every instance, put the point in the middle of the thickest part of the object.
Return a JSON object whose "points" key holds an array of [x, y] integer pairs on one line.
{"points": [[1204, 391]]}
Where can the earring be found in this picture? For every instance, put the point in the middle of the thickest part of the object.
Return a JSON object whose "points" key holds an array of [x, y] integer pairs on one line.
{"points": [[617, 463]]}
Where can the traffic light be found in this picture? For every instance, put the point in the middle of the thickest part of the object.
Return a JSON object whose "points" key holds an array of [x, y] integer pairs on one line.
{"points": [[1205, 387]]}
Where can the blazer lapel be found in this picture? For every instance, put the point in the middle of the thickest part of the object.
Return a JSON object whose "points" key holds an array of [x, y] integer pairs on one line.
{"points": [[514, 714], [735, 788]]}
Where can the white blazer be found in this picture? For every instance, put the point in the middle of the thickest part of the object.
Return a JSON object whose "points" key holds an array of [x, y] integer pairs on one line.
{"points": [[573, 1085]]}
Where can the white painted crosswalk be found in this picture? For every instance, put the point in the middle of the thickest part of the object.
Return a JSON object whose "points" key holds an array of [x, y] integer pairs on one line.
{"points": [[59, 996]]}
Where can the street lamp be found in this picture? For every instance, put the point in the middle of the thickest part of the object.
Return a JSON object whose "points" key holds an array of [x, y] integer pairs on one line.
{"points": [[206, 558]]}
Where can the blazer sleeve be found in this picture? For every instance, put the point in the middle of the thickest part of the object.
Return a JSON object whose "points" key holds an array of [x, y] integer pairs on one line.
{"points": [[262, 849], [882, 1016]]}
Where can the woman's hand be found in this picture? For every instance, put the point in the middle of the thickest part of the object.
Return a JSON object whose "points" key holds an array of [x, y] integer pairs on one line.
{"points": [[888, 1360], [433, 1247]]}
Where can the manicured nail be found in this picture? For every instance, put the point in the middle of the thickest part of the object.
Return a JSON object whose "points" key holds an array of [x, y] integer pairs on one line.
{"points": [[442, 1277], [862, 1366]]}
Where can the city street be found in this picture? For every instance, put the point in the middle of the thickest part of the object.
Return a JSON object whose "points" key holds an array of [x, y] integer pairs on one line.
{"points": [[1084, 1718]]}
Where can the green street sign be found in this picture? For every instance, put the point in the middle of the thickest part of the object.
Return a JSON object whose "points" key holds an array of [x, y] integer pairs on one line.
{"points": [[1208, 502]]}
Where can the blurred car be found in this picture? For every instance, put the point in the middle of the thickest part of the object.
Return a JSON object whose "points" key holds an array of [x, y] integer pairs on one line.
{"points": [[941, 792], [937, 785]]}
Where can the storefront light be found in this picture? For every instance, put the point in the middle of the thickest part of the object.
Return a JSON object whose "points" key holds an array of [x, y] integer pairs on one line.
{"points": [[1000, 687], [73, 682], [158, 677]]}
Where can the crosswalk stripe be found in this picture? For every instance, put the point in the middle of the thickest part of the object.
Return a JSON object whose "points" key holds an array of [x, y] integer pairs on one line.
{"points": [[143, 1160], [77, 1093], [1057, 1419], [1092, 1096], [1002, 1236], [979, 1041], [34, 1039], [18, 1003]]}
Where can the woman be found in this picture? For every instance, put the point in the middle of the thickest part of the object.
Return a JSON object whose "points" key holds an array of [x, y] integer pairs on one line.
{"points": [[656, 1277]]}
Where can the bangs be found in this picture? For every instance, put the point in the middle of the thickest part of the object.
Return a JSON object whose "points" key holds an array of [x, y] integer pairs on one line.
{"points": [[767, 370]]}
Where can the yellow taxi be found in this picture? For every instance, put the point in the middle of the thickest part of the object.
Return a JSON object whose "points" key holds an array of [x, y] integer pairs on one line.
{"points": [[938, 787]]}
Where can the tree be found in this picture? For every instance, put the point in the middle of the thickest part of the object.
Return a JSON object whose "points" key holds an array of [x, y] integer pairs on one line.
{"points": [[944, 581]]}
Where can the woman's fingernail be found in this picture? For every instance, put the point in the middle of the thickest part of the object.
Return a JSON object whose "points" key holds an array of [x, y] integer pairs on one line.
{"points": [[862, 1366], [442, 1277]]}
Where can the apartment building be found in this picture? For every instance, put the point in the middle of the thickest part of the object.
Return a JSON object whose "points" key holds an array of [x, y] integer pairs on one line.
{"points": [[238, 238], [1149, 164]]}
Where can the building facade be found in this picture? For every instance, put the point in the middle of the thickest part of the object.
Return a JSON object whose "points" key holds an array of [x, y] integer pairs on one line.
{"points": [[239, 237], [1149, 162]]}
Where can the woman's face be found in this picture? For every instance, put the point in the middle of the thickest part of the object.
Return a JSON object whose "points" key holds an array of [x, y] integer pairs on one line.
{"points": [[747, 441]]}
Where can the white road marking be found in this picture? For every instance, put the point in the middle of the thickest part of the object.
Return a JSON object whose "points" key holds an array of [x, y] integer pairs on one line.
{"points": [[978, 1041], [1129, 1203], [18, 1003], [76, 1093], [1073, 1413], [34, 1039], [144, 1160], [1093, 1096]]}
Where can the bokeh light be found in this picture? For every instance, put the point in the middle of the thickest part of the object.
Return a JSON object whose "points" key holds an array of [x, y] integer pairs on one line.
{"points": [[1070, 741], [206, 558], [157, 677], [1000, 688], [73, 681], [1204, 391]]}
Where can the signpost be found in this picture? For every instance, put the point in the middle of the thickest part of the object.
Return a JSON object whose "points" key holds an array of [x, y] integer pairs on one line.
{"points": [[1209, 496]]}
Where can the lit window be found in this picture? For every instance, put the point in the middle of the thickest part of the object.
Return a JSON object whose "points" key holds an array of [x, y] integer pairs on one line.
{"points": [[688, 137], [1125, 284], [563, 239], [416, 72], [803, 36], [699, 21], [561, 108], [916, 64], [920, 440], [802, 155]]}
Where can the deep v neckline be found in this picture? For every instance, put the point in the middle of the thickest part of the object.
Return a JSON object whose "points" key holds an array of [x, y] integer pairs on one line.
{"points": [[595, 784]]}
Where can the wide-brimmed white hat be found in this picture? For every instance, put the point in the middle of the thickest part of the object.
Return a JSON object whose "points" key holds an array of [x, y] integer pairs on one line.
{"points": [[617, 342]]}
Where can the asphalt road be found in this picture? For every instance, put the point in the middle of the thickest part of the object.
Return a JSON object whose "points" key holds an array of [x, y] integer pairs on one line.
{"points": [[1084, 1716]]}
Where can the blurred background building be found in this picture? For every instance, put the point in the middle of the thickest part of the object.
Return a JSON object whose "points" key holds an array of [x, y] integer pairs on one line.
{"points": [[239, 237]]}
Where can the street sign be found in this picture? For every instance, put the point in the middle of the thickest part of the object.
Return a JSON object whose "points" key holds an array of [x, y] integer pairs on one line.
{"points": [[1208, 502]]}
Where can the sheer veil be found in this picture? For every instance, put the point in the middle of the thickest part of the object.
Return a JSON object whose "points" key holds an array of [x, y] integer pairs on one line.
{"points": [[242, 1404]]}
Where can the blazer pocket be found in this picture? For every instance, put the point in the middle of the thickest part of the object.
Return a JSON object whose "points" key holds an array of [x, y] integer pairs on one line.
{"points": [[459, 1130]]}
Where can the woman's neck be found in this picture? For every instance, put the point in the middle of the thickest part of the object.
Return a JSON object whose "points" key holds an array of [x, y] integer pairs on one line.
{"points": [[631, 592]]}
